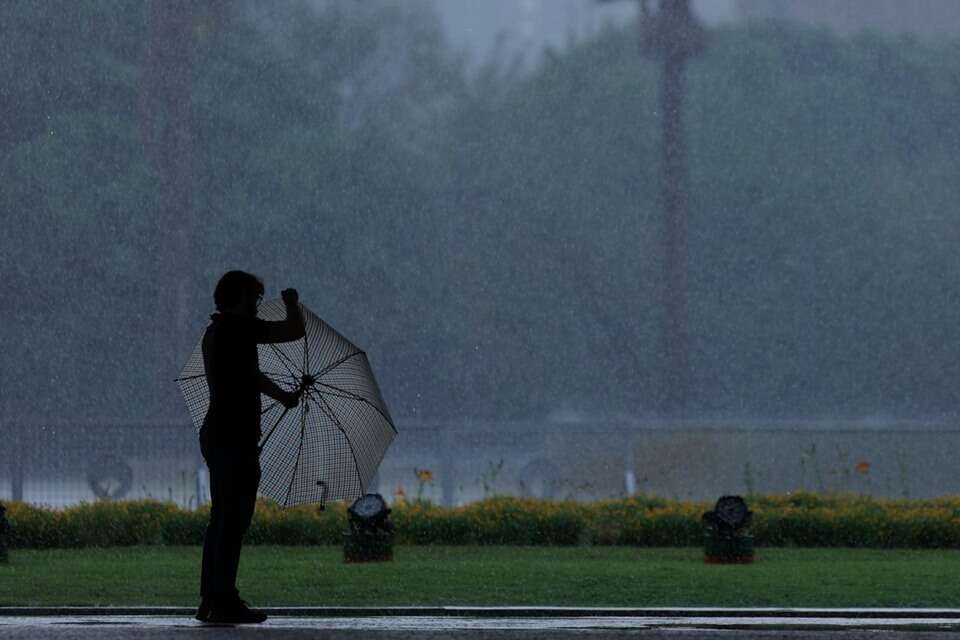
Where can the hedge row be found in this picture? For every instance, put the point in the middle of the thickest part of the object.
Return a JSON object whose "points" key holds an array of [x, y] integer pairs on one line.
{"points": [[800, 519]]}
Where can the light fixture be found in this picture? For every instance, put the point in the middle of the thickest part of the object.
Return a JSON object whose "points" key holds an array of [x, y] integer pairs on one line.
{"points": [[726, 532]]}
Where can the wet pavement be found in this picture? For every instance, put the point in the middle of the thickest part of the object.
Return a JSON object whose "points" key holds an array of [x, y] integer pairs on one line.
{"points": [[528, 623]]}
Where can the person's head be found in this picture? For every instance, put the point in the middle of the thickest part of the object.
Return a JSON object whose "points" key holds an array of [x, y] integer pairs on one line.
{"points": [[238, 292]]}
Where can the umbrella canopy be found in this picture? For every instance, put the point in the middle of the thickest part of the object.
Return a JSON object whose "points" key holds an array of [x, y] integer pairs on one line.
{"points": [[330, 445]]}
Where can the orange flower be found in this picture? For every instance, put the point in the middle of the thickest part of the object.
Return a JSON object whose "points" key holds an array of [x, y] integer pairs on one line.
{"points": [[862, 468], [399, 492]]}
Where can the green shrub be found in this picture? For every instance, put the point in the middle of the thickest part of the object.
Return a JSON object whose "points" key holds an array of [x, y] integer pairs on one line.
{"points": [[183, 527], [802, 520], [425, 523], [563, 528], [303, 525], [511, 521], [31, 526]]}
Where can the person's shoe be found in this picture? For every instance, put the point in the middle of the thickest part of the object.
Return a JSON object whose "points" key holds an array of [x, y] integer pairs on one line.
{"points": [[203, 611], [236, 612]]}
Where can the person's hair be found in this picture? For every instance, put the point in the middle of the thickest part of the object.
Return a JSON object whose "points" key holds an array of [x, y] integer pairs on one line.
{"points": [[234, 286]]}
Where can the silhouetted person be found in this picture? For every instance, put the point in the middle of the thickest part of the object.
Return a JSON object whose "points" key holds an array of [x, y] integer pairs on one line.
{"points": [[231, 432]]}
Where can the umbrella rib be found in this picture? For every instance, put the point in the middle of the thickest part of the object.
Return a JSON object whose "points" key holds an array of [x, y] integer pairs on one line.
{"points": [[274, 428], [343, 391], [337, 395], [281, 376], [311, 392], [284, 359], [293, 476], [329, 411], [270, 406], [185, 378], [306, 342], [336, 364], [357, 398]]}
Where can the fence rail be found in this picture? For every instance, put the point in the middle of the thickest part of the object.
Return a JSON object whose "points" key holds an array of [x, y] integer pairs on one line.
{"points": [[60, 464]]}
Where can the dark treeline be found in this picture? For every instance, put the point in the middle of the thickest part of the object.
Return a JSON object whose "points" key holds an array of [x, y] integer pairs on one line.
{"points": [[491, 239]]}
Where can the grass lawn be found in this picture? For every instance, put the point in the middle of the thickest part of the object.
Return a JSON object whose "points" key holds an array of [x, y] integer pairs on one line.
{"points": [[421, 576]]}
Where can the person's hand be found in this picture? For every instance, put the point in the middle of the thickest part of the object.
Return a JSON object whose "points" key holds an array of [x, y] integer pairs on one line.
{"points": [[292, 399], [290, 297]]}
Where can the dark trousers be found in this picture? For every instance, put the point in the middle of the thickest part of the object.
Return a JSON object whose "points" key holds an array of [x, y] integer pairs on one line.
{"points": [[234, 478]]}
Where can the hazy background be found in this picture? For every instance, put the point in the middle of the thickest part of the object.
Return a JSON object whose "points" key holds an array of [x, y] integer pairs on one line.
{"points": [[471, 191], [526, 26], [489, 230]]}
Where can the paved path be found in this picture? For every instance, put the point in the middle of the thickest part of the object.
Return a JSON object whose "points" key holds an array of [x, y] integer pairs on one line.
{"points": [[472, 623]]}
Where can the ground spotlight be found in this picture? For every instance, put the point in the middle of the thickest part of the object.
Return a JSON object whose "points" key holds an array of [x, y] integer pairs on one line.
{"points": [[726, 532], [370, 537]]}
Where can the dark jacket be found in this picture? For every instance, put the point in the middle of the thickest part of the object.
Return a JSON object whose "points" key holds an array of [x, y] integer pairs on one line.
{"points": [[233, 376]]}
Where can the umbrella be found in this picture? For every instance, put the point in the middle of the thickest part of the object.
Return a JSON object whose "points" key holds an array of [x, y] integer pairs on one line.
{"points": [[330, 445]]}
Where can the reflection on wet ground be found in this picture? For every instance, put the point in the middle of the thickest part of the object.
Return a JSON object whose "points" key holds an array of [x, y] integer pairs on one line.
{"points": [[490, 623]]}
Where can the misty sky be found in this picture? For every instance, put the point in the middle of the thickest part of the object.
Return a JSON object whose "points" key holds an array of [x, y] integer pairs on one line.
{"points": [[529, 25]]}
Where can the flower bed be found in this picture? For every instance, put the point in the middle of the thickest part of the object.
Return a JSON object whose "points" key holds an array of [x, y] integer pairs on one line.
{"points": [[801, 519]]}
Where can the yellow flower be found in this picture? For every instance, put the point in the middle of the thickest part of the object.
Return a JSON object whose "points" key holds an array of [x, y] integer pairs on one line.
{"points": [[424, 475]]}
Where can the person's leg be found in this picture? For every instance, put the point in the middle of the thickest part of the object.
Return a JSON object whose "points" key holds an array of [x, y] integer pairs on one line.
{"points": [[239, 514], [213, 537]]}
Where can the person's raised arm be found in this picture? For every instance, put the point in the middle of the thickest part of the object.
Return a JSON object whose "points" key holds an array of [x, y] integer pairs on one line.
{"points": [[292, 328]]}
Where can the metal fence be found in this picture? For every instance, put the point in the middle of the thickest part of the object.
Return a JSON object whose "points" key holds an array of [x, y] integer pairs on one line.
{"points": [[59, 464], [454, 462], [587, 460]]}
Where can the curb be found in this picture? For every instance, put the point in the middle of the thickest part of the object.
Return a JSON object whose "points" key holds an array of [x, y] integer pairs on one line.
{"points": [[510, 612]]}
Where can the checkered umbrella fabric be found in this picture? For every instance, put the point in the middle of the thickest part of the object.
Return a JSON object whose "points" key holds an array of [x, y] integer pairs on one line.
{"points": [[330, 445]]}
